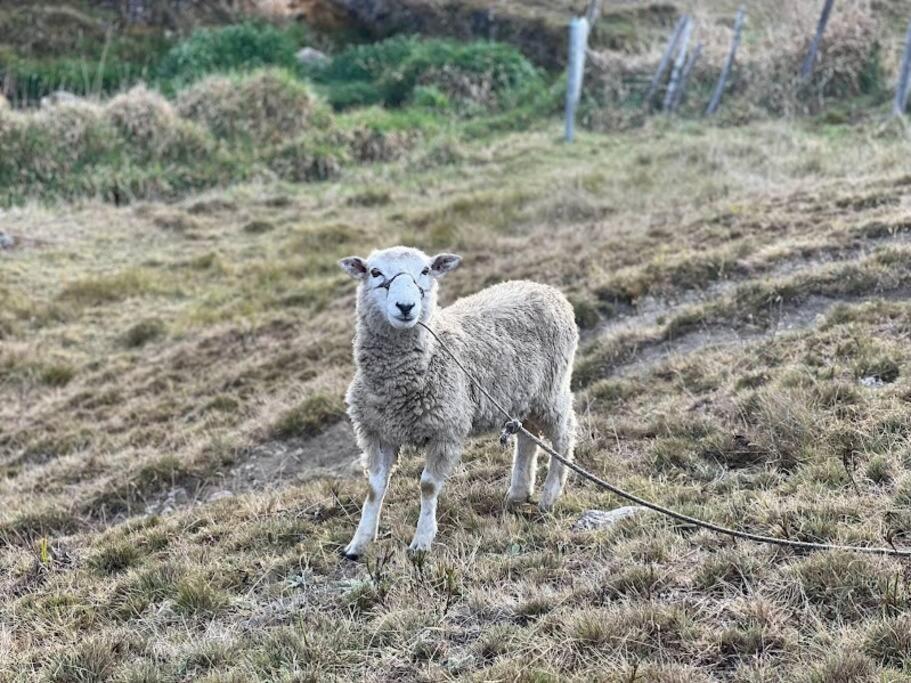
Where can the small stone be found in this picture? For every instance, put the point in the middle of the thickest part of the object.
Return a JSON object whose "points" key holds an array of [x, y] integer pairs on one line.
{"points": [[219, 495], [59, 97], [600, 519], [873, 382], [309, 56], [7, 241]]}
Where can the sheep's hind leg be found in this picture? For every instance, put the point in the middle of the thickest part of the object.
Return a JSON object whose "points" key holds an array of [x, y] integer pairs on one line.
{"points": [[563, 439], [379, 467], [524, 468], [441, 458]]}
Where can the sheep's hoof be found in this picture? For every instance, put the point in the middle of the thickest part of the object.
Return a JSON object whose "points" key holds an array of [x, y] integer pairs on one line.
{"points": [[546, 508], [349, 555], [515, 501], [417, 552]]}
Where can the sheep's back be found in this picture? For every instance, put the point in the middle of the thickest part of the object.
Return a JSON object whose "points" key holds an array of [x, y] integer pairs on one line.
{"points": [[520, 338]]}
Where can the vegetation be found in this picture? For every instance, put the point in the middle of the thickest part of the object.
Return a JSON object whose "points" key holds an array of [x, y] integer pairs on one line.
{"points": [[226, 49], [435, 73], [176, 473], [161, 356]]}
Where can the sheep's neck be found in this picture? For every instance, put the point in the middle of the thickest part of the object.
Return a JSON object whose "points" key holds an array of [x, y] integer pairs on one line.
{"points": [[399, 357]]}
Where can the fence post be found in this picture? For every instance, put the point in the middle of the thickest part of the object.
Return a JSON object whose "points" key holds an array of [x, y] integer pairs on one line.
{"points": [[593, 12], [728, 64], [806, 70], [904, 78], [679, 63], [685, 77], [665, 59], [578, 43]]}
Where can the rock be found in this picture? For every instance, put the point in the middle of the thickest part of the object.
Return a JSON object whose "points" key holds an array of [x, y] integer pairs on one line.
{"points": [[59, 97], [309, 56], [219, 495], [873, 382], [176, 497], [601, 519], [7, 241]]}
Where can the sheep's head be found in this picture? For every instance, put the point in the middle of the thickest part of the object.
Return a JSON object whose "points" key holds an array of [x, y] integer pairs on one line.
{"points": [[398, 285]]}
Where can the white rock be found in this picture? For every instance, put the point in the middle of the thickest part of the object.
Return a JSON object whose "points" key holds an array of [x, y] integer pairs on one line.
{"points": [[600, 519], [7, 241], [308, 56], [219, 495], [59, 97]]}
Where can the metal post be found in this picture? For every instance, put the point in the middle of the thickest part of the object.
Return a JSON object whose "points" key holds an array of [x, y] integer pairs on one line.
{"points": [[904, 78], [665, 60], [679, 63], [728, 64], [806, 70], [578, 43], [685, 77]]}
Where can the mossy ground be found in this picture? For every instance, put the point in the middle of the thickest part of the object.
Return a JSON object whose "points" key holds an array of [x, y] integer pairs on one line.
{"points": [[745, 358]]}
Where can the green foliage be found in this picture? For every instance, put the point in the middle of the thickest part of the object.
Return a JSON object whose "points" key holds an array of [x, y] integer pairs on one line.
{"points": [[92, 67], [471, 77], [230, 48]]}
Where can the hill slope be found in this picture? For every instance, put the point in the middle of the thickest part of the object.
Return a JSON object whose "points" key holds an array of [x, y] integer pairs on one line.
{"points": [[170, 404]]}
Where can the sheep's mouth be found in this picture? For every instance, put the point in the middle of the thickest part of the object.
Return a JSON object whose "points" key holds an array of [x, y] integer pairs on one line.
{"points": [[404, 318]]}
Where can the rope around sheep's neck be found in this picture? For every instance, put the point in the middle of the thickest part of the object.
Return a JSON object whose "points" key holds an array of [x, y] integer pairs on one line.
{"points": [[514, 426]]}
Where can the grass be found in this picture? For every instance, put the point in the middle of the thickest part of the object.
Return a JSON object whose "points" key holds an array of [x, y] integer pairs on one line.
{"points": [[158, 357]]}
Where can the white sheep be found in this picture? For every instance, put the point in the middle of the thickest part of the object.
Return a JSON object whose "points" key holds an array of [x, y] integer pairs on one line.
{"points": [[518, 338]]}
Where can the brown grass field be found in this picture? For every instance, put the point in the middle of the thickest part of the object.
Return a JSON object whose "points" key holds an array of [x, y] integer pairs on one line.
{"points": [[177, 472]]}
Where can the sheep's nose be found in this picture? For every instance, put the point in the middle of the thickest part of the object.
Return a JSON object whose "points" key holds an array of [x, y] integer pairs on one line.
{"points": [[405, 308]]}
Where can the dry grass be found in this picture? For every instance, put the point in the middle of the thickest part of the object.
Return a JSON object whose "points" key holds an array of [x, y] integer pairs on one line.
{"points": [[745, 359]]}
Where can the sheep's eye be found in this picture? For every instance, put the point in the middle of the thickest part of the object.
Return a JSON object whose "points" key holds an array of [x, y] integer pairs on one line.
{"points": [[375, 273], [426, 271]]}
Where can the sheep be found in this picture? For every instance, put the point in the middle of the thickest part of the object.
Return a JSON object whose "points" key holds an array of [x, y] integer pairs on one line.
{"points": [[518, 338]]}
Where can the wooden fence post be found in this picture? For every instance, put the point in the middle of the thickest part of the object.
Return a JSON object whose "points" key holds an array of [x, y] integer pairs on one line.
{"points": [[728, 64], [578, 43], [685, 77], [679, 64], [904, 78], [806, 70], [665, 60]]}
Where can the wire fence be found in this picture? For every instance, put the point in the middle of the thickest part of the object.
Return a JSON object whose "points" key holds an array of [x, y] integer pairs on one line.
{"points": [[665, 90]]}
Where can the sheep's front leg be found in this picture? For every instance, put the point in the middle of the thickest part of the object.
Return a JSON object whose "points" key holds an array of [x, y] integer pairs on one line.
{"points": [[441, 458], [380, 460]]}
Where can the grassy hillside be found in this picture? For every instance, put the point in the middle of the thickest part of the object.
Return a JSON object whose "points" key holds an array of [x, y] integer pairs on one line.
{"points": [[178, 473]]}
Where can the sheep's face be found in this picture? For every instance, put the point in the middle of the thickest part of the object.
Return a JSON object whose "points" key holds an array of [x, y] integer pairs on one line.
{"points": [[398, 285]]}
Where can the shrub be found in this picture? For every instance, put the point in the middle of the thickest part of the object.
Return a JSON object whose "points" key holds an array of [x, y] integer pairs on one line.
{"points": [[847, 65], [471, 77], [306, 159], [152, 129], [52, 143], [265, 106], [231, 48]]}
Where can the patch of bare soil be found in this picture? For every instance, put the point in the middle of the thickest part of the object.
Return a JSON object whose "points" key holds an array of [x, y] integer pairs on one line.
{"points": [[274, 465], [333, 453], [792, 318]]}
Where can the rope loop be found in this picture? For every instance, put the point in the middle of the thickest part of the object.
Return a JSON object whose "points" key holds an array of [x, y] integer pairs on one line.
{"points": [[510, 428]]}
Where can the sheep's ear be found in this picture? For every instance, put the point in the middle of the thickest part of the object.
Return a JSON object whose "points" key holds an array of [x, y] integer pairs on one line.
{"points": [[355, 266], [444, 263]]}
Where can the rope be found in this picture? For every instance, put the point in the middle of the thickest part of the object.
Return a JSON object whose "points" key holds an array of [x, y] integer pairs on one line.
{"points": [[514, 426]]}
